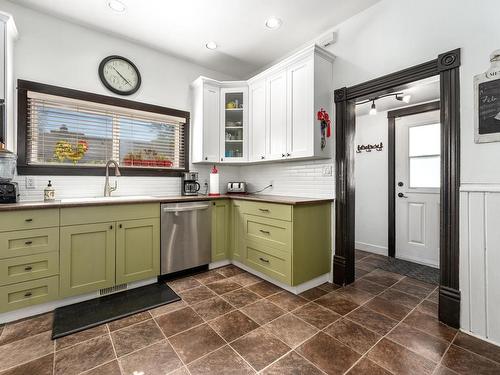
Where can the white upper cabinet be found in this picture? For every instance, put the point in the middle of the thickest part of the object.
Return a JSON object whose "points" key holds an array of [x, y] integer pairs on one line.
{"points": [[205, 121], [301, 116], [8, 35], [257, 117], [276, 116], [234, 124], [278, 119]]}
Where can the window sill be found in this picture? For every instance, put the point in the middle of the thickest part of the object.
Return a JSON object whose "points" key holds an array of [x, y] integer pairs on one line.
{"points": [[43, 170]]}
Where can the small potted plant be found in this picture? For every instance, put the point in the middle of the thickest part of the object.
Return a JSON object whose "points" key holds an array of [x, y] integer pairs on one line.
{"points": [[128, 160]]}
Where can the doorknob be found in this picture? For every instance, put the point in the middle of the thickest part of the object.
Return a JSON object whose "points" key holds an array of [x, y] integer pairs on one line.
{"points": [[401, 195]]}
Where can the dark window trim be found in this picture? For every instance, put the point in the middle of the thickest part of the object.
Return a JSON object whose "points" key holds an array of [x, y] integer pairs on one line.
{"points": [[447, 66], [22, 122], [391, 148]]}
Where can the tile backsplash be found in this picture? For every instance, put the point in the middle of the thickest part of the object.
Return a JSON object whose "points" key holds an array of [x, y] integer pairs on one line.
{"points": [[298, 178], [295, 178]]}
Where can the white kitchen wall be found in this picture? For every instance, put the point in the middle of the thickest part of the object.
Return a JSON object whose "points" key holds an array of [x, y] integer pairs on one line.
{"points": [[53, 51], [371, 170]]}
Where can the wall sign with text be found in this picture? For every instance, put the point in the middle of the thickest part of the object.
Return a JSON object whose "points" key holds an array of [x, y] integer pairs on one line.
{"points": [[487, 102]]}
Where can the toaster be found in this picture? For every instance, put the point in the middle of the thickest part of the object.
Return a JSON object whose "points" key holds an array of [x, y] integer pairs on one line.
{"points": [[236, 188]]}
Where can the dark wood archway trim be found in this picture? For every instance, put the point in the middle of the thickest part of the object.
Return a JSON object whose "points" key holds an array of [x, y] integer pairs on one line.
{"points": [[391, 156], [447, 66]]}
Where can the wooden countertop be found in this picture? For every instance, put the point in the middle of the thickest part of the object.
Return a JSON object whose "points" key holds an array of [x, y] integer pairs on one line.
{"points": [[79, 202]]}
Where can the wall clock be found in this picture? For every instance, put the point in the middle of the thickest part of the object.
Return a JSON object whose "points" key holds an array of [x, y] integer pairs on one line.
{"points": [[119, 75]]}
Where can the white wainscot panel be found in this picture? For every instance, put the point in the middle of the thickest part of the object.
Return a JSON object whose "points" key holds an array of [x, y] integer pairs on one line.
{"points": [[480, 261]]}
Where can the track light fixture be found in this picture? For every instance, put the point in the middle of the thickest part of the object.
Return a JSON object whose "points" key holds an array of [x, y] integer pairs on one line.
{"points": [[398, 95]]}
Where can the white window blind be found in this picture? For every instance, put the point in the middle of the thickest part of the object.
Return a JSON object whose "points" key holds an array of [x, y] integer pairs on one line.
{"points": [[64, 131]]}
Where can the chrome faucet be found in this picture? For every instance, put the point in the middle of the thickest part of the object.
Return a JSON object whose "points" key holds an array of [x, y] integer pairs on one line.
{"points": [[108, 189]]}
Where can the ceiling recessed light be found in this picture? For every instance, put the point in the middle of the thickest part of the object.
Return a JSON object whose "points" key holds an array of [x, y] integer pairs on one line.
{"points": [[117, 6], [273, 23], [211, 45]]}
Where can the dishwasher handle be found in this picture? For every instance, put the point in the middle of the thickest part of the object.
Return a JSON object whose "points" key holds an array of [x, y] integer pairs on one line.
{"points": [[184, 209]]}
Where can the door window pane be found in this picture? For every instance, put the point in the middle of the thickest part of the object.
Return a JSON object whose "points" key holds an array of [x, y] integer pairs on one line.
{"points": [[424, 140], [425, 172]]}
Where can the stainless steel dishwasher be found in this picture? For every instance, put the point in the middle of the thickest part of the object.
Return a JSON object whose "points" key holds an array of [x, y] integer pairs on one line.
{"points": [[186, 235]]}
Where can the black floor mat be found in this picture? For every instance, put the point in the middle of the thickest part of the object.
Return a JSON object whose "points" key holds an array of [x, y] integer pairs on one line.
{"points": [[80, 316], [414, 270]]}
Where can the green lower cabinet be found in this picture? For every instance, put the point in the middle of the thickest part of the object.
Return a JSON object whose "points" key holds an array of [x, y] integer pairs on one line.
{"points": [[137, 250], [220, 230], [87, 258], [237, 233]]}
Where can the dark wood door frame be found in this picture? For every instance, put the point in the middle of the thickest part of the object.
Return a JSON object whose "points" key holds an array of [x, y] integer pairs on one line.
{"points": [[391, 156], [447, 66]]}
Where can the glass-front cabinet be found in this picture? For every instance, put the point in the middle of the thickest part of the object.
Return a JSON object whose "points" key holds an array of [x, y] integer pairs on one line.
{"points": [[234, 124]]}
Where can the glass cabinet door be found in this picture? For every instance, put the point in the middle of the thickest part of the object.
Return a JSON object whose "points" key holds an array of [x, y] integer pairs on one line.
{"points": [[234, 124]]}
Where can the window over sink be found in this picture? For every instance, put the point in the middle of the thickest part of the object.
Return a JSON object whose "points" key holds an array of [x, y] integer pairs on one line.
{"points": [[64, 131]]}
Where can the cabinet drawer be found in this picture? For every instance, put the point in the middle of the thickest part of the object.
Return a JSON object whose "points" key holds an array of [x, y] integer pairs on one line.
{"points": [[28, 293], [271, 210], [29, 219], [107, 213], [274, 264], [19, 269], [269, 232], [28, 242]]}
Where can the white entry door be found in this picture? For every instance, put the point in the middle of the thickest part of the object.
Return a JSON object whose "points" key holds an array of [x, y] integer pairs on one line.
{"points": [[418, 148]]}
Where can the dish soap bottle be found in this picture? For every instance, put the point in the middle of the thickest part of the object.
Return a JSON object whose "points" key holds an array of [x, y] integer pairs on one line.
{"points": [[49, 193]]}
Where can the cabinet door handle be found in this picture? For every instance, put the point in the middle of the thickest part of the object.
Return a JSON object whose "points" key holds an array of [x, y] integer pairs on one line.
{"points": [[28, 294], [28, 242], [282, 155], [264, 209], [262, 157], [221, 159], [206, 158], [264, 260], [120, 226], [28, 268], [28, 220], [264, 231], [288, 154], [110, 227]]}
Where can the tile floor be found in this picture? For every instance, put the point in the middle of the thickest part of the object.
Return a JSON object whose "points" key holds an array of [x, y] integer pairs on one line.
{"points": [[231, 322]]}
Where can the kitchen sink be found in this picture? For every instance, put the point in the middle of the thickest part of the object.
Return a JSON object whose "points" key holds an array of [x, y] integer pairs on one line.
{"points": [[106, 199]]}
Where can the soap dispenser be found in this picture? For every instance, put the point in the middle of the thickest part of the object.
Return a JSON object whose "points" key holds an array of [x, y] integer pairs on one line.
{"points": [[49, 193]]}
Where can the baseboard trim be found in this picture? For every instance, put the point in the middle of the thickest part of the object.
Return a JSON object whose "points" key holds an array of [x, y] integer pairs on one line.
{"points": [[220, 263], [449, 306], [376, 249], [497, 343], [50, 306], [292, 289]]}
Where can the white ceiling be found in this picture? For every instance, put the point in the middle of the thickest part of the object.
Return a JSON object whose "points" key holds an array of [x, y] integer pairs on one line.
{"points": [[182, 27], [422, 91]]}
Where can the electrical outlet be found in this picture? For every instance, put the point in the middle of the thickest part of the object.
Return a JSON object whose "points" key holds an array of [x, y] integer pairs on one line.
{"points": [[327, 170], [30, 183]]}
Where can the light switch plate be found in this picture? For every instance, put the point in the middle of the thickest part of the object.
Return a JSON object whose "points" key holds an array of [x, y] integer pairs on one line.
{"points": [[30, 183], [327, 170]]}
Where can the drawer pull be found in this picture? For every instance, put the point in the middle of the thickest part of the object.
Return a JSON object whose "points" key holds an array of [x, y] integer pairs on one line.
{"points": [[264, 209], [28, 242], [264, 231], [28, 220], [28, 294], [28, 268], [264, 260]]}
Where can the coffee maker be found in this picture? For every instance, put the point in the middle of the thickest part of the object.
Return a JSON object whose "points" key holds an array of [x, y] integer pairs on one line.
{"points": [[9, 191], [189, 183]]}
